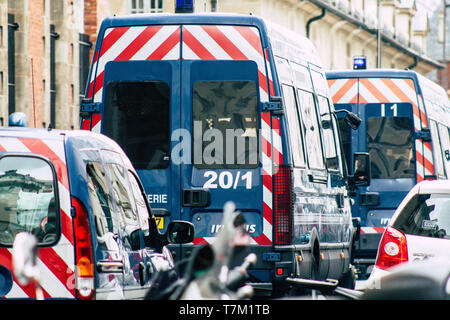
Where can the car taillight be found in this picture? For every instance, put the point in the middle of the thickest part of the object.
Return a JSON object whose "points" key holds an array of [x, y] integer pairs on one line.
{"points": [[84, 256], [282, 201], [392, 249]]}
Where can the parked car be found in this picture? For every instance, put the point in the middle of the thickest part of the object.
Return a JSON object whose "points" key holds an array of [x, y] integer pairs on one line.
{"points": [[79, 195], [418, 230]]}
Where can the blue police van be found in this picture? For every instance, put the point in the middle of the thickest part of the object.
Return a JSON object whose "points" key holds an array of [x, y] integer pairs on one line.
{"points": [[405, 130], [219, 107]]}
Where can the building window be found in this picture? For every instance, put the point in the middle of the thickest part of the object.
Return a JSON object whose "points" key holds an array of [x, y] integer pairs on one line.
{"points": [[146, 6]]}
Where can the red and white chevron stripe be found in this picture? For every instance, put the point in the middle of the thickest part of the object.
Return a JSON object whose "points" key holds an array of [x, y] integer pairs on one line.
{"points": [[388, 90], [163, 43], [226, 43], [56, 264], [371, 230]]}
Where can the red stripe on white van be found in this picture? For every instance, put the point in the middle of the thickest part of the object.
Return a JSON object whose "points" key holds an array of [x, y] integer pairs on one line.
{"points": [[18, 290], [276, 142], [226, 43], [229, 47], [135, 43], [58, 267], [38, 146], [56, 278], [111, 38], [269, 74], [344, 91], [267, 167]]}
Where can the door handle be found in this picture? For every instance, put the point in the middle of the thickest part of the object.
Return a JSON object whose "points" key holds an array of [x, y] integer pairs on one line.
{"points": [[196, 198], [110, 266]]}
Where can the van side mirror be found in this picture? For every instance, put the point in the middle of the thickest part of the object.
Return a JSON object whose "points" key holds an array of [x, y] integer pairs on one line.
{"points": [[361, 170], [180, 232], [351, 119]]}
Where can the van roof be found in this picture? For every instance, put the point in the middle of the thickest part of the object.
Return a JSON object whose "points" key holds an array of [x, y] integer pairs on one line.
{"points": [[180, 18], [34, 133], [370, 73], [146, 19], [56, 134]]}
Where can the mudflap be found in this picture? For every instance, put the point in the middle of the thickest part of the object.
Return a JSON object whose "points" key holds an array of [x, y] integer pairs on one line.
{"points": [[365, 254]]}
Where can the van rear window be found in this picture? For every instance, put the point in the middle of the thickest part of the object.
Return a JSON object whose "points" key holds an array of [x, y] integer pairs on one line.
{"points": [[137, 116], [390, 145], [27, 200], [226, 124]]}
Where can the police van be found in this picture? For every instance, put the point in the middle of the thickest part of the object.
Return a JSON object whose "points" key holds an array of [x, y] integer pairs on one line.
{"points": [[218, 107], [78, 194], [405, 130]]}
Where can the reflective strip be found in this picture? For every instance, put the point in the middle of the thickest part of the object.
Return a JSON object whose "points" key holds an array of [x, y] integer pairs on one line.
{"points": [[133, 43], [267, 166], [226, 43], [344, 91]]}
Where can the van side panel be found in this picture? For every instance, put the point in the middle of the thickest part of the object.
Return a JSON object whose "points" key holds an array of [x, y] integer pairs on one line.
{"points": [[56, 263]]}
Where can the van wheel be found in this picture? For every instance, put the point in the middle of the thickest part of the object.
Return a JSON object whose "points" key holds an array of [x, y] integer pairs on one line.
{"points": [[315, 262]]}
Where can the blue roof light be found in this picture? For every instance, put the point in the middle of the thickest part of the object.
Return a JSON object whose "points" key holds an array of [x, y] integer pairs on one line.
{"points": [[359, 63], [184, 6], [17, 119]]}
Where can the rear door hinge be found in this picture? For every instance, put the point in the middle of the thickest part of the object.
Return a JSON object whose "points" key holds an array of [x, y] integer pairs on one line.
{"points": [[424, 135], [272, 106], [89, 107]]}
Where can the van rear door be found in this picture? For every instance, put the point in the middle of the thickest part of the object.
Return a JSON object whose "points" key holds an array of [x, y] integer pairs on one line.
{"points": [[220, 108], [195, 152], [142, 105]]}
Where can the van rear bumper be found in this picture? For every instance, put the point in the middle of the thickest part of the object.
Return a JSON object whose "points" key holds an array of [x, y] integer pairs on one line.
{"points": [[263, 271]]}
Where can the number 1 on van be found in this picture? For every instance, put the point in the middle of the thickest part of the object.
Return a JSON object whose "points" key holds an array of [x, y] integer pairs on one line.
{"points": [[393, 108], [226, 180]]}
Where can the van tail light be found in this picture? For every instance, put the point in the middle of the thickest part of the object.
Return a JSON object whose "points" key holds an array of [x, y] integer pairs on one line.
{"points": [[84, 256], [282, 201], [392, 249]]}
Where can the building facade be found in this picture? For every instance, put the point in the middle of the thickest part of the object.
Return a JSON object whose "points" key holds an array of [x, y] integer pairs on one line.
{"points": [[46, 45], [438, 39], [340, 29], [41, 65]]}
